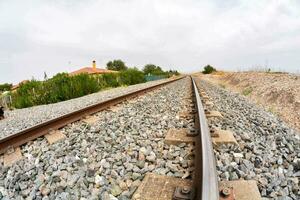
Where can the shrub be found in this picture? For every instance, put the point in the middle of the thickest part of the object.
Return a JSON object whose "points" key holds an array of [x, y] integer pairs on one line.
{"points": [[63, 87], [173, 72], [272, 110], [27, 94], [132, 76], [111, 80], [247, 91], [208, 69], [59, 88], [5, 87]]}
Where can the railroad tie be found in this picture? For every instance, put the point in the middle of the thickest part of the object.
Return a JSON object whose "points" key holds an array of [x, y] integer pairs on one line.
{"points": [[12, 156], [239, 190], [213, 114], [55, 136], [220, 137], [160, 187], [114, 108], [177, 136], [91, 119]]}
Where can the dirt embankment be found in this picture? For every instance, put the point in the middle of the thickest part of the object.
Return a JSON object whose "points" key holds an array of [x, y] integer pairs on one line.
{"points": [[279, 93]]}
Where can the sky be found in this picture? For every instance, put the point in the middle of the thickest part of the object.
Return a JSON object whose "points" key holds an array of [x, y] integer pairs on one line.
{"points": [[65, 35]]}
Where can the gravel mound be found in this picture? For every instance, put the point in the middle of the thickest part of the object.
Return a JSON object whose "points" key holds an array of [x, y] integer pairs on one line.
{"points": [[279, 93], [21, 119], [109, 159], [268, 152]]}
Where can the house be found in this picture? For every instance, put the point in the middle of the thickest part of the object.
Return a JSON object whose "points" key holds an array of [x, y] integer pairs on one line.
{"points": [[15, 87], [91, 70]]}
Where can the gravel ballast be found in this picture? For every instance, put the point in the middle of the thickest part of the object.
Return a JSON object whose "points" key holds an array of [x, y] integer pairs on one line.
{"points": [[268, 152], [106, 160], [20, 119]]}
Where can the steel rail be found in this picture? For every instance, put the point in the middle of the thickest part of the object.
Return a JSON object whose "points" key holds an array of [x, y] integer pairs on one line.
{"points": [[26, 135], [205, 176]]}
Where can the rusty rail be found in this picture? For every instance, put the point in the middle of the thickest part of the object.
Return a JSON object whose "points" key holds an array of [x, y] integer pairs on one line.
{"points": [[43, 128], [205, 180]]}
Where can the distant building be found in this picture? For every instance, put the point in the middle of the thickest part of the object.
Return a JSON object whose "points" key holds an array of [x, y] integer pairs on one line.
{"points": [[15, 87], [92, 70]]}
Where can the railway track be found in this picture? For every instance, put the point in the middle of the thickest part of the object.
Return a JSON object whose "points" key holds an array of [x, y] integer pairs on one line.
{"points": [[189, 173], [258, 149], [29, 134]]}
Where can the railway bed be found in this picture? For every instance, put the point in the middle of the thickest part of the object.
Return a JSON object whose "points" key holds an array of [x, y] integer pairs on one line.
{"points": [[106, 155]]}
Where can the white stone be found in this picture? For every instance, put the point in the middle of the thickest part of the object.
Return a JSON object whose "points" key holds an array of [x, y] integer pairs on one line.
{"points": [[238, 155]]}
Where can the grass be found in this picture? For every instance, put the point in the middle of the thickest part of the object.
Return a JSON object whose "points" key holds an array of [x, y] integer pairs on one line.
{"points": [[272, 110], [247, 91], [277, 72]]}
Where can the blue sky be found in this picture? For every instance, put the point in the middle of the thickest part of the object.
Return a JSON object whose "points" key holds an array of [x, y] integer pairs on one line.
{"points": [[56, 36]]}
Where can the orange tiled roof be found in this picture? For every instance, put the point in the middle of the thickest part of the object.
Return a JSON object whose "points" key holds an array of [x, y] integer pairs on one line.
{"points": [[18, 85], [90, 70]]}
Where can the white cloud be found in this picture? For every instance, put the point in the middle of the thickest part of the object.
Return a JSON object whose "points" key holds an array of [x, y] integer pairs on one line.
{"points": [[54, 36]]}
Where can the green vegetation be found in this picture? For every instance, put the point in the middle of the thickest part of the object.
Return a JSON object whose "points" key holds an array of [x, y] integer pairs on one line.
{"points": [[272, 110], [247, 91], [208, 69], [116, 65], [63, 87], [132, 76], [5, 87], [109, 80], [275, 72], [59, 88], [153, 70]]}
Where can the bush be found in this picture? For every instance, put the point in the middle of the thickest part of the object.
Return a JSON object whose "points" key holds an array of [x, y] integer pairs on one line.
{"points": [[27, 94], [59, 88], [132, 76], [111, 80], [247, 91], [172, 73], [64, 87], [5, 87], [208, 69]]}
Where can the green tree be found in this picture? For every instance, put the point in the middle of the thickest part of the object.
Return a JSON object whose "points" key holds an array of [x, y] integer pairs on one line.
{"points": [[117, 65], [153, 70], [208, 69]]}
